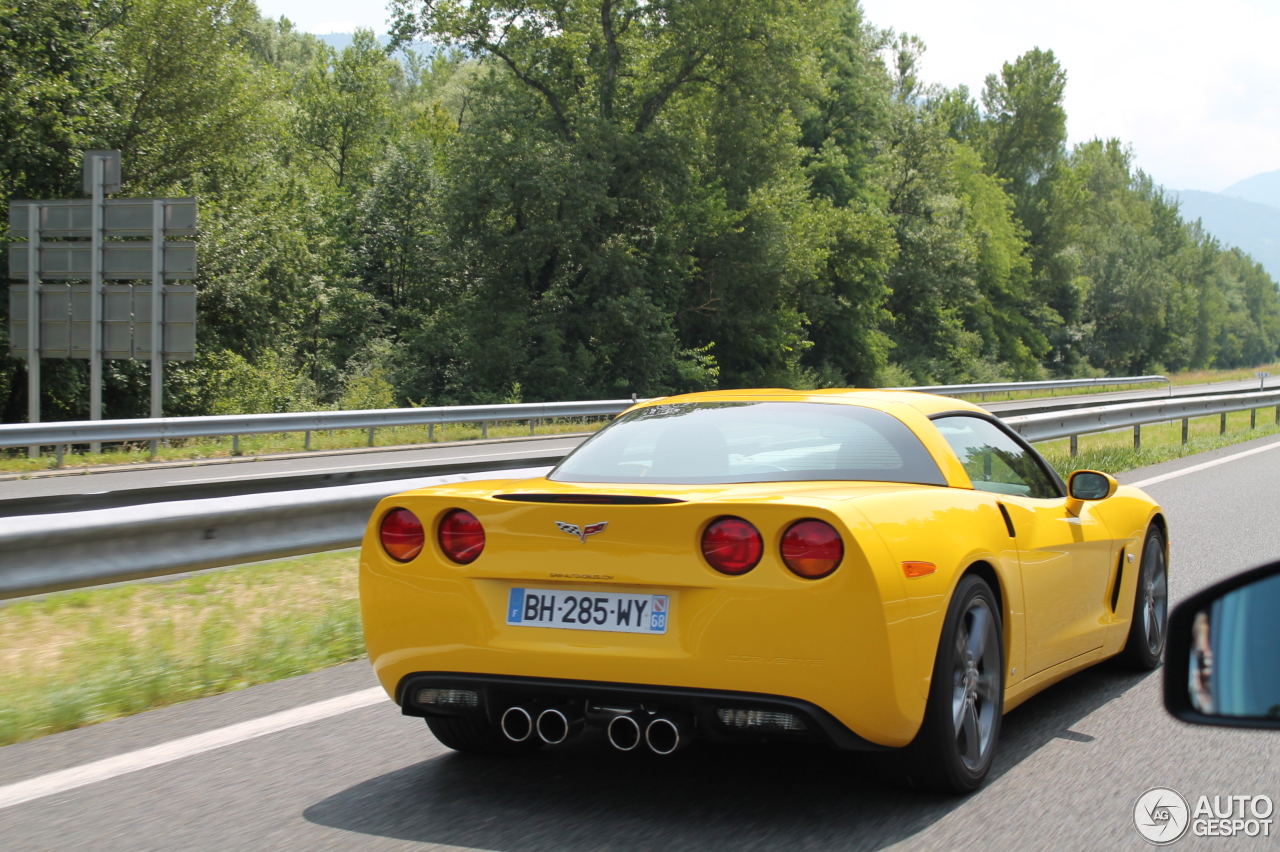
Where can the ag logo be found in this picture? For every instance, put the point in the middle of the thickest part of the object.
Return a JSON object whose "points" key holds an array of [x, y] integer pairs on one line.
{"points": [[1161, 815], [582, 532]]}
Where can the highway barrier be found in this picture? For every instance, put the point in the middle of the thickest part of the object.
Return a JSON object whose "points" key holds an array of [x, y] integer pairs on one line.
{"points": [[61, 435], [66, 550]]}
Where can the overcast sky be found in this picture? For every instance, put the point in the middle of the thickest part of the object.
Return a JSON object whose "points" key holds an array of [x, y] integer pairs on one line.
{"points": [[1194, 87]]}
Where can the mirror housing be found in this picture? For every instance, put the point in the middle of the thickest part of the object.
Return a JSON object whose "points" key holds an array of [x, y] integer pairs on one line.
{"points": [[1088, 485], [1222, 658]]}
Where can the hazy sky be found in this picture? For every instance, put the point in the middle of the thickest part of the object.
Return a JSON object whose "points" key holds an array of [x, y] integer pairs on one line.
{"points": [[1194, 87]]}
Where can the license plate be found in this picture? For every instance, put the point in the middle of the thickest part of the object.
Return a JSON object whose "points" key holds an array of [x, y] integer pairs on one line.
{"points": [[613, 612]]}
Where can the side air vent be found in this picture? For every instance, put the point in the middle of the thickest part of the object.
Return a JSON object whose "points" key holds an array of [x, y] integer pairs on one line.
{"points": [[594, 499]]}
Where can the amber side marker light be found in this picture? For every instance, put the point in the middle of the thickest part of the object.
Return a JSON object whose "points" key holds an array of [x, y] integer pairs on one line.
{"points": [[918, 569], [732, 546], [812, 549], [461, 536], [402, 535]]}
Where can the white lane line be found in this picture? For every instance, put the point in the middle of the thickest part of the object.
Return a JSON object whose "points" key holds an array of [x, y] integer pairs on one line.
{"points": [[445, 460], [1196, 468], [111, 767]]}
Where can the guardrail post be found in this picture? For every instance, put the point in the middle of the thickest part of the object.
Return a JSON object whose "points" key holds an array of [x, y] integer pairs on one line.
{"points": [[59, 449], [533, 425], [1137, 437], [1075, 445], [235, 445], [1278, 413], [1253, 418], [371, 436], [431, 430], [155, 448], [1185, 423], [306, 441], [1222, 424], [484, 428]]}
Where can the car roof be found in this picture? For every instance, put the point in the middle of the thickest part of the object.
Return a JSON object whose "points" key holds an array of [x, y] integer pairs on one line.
{"points": [[884, 400]]}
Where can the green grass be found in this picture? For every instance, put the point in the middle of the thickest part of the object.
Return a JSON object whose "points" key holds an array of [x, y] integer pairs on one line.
{"points": [[15, 461], [1113, 452], [76, 658]]}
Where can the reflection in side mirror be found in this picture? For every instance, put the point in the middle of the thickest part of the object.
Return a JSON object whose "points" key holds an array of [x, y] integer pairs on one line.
{"points": [[1223, 665], [1090, 485]]}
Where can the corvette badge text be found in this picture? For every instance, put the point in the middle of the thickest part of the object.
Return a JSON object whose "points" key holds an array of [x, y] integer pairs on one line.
{"points": [[1162, 816]]}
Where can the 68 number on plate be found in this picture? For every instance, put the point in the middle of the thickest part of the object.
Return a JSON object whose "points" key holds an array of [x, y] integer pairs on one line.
{"points": [[613, 612]]}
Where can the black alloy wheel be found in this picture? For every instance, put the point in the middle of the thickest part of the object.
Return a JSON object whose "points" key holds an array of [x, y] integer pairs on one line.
{"points": [[1148, 628], [957, 740]]}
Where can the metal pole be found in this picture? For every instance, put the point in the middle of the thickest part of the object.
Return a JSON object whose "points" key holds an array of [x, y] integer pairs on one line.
{"points": [[157, 308], [1184, 430], [95, 297], [1253, 418], [1222, 424], [33, 320], [1137, 437], [1075, 445]]}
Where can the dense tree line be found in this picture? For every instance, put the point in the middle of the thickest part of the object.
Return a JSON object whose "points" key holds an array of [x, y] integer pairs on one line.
{"points": [[581, 200]]}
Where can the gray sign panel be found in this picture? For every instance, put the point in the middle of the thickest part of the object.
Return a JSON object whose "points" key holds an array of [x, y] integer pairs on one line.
{"points": [[123, 217], [110, 171], [126, 332], [71, 261]]}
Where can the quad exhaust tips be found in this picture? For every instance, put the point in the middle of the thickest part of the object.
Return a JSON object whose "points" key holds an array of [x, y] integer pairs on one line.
{"points": [[557, 724], [517, 724], [668, 734], [624, 732]]}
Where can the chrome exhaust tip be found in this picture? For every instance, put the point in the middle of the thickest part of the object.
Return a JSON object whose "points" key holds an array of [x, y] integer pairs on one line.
{"points": [[557, 724], [517, 724], [624, 732], [668, 734]]}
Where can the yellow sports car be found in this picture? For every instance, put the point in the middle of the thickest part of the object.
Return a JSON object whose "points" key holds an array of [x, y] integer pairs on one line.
{"points": [[869, 569]]}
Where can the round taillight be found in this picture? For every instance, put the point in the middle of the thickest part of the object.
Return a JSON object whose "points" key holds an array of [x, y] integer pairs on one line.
{"points": [[732, 546], [461, 536], [402, 535], [812, 549]]}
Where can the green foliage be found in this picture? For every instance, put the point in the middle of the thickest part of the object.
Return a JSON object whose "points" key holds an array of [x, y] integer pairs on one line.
{"points": [[564, 201]]}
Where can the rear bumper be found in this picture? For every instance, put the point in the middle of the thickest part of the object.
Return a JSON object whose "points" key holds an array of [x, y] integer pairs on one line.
{"points": [[498, 692]]}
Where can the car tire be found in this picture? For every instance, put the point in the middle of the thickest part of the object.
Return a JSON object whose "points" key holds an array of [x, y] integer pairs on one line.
{"points": [[477, 736], [954, 749], [1149, 625]]}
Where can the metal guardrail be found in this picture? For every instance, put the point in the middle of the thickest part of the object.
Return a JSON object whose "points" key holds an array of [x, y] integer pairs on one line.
{"points": [[1051, 425], [94, 431], [59, 551], [62, 434], [50, 552], [1049, 385]]}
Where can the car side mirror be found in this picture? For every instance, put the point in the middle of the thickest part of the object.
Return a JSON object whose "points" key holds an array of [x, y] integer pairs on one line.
{"points": [[1222, 663], [1088, 485]]}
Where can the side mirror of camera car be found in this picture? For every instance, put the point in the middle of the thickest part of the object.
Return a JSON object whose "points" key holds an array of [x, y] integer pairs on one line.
{"points": [[1222, 663]]}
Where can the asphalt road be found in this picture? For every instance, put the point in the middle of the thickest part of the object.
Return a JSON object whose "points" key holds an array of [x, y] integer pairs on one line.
{"points": [[1071, 765]]}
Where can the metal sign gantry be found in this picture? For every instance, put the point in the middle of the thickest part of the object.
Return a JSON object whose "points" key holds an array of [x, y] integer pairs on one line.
{"points": [[67, 240]]}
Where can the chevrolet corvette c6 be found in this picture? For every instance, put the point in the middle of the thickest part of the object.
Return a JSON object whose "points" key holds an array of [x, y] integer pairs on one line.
{"points": [[868, 569]]}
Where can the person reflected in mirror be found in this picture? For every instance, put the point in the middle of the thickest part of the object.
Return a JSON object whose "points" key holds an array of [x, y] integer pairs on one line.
{"points": [[1201, 675]]}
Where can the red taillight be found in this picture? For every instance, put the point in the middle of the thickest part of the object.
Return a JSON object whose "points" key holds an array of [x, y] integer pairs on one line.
{"points": [[732, 546], [461, 536], [402, 535], [812, 549]]}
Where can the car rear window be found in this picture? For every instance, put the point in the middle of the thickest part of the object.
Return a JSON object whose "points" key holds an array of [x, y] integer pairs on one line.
{"points": [[722, 442]]}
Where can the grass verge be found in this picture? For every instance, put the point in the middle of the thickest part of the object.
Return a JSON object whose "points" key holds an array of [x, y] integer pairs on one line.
{"points": [[75, 658]]}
